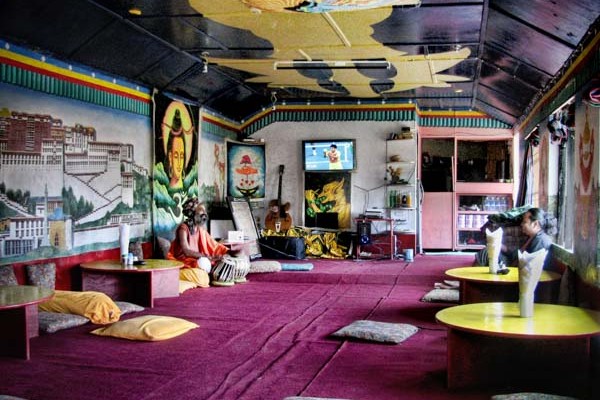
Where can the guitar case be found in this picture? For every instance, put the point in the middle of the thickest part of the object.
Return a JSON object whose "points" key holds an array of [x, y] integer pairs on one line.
{"points": [[282, 247]]}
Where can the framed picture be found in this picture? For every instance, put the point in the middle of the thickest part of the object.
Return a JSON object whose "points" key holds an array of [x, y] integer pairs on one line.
{"points": [[243, 220], [326, 196], [246, 170]]}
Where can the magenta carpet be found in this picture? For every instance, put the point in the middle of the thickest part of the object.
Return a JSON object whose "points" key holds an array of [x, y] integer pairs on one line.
{"points": [[265, 339]]}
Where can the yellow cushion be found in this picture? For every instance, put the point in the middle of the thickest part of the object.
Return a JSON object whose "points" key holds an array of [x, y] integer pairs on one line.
{"points": [[96, 306], [147, 327], [195, 275], [185, 285]]}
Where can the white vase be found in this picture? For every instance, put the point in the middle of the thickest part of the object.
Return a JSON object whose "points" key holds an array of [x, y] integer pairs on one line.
{"points": [[526, 305], [493, 245], [530, 270], [124, 239]]}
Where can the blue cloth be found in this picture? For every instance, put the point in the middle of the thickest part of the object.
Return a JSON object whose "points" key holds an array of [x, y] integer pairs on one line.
{"points": [[296, 267]]}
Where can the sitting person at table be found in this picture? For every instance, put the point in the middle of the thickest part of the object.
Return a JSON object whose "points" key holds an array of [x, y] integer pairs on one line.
{"points": [[194, 246], [534, 225]]}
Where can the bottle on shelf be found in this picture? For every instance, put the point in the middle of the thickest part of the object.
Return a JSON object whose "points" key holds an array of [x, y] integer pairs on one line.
{"points": [[392, 199]]}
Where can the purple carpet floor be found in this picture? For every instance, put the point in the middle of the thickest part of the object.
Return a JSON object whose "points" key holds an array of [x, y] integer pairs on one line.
{"points": [[266, 339]]}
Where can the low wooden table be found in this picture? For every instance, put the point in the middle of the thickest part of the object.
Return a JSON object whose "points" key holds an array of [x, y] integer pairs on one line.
{"points": [[478, 285], [490, 344], [19, 318], [139, 284]]}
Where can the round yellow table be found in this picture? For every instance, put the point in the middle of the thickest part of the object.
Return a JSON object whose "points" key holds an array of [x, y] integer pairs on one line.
{"points": [[19, 317], [139, 284], [478, 285], [490, 344]]}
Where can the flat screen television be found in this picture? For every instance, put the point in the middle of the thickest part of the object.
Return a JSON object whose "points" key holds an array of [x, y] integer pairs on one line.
{"points": [[329, 155]]}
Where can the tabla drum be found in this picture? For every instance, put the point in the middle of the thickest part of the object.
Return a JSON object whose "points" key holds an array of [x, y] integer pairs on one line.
{"points": [[223, 274], [242, 267]]}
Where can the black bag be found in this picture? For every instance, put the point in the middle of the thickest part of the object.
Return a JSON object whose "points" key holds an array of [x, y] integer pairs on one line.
{"points": [[282, 247]]}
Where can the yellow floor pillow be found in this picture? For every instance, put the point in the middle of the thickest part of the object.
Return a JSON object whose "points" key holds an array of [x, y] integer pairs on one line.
{"points": [[96, 306], [147, 327]]}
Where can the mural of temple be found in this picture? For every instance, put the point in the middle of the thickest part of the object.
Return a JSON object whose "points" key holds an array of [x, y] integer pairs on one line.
{"points": [[40, 156]]}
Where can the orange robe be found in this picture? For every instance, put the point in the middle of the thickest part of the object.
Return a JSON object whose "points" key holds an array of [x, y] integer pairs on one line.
{"points": [[201, 241]]}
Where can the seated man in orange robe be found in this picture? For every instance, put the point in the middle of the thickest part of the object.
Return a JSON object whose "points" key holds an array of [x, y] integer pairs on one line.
{"points": [[194, 245]]}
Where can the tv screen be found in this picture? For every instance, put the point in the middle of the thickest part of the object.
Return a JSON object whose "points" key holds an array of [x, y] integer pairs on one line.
{"points": [[329, 155]]}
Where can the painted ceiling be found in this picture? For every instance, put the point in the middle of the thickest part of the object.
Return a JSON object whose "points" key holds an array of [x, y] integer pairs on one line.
{"points": [[240, 56]]}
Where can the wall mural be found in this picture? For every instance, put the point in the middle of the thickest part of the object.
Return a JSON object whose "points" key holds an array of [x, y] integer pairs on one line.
{"points": [[245, 170], [70, 173], [176, 161], [327, 192], [586, 191], [212, 173], [312, 34]]}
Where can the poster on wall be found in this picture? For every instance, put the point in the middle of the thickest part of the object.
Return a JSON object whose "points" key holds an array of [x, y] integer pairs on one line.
{"points": [[586, 242], [176, 161], [245, 170], [71, 173], [211, 176], [327, 196]]}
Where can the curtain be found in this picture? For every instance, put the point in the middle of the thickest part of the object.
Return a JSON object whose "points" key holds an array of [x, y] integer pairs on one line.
{"points": [[525, 193]]}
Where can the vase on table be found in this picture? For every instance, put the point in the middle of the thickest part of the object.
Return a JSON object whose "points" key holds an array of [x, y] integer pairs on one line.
{"points": [[124, 240], [493, 245], [530, 270]]}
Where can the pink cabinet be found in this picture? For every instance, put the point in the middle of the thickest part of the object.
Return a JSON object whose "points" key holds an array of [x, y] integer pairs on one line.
{"points": [[438, 219]]}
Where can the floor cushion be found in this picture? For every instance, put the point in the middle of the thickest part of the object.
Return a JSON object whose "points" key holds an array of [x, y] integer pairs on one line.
{"points": [[162, 247], [127, 307], [296, 267], [442, 295], [7, 276], [530, 396], [383, 332], [147, 327], [50, 322], [311, 398], [262, 266], [96, 306], [41, 275]]}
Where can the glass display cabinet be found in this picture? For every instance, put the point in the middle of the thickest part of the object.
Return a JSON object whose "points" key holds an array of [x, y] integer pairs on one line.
{"points": [[472, 213]]}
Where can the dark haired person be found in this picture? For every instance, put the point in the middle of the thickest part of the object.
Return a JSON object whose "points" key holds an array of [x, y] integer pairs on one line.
{"points": [[194, 245], [534, 225], [334, 157]]}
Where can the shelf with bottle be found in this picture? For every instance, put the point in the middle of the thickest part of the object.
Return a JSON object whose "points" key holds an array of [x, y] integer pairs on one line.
{"points": [[472, 214], [483, 204], [398, 199]]}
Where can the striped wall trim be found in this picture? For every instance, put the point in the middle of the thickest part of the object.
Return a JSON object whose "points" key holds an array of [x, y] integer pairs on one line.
{"points": [[460, 119], [20, 70], [219, 127], [316, 113], [463, 119]]}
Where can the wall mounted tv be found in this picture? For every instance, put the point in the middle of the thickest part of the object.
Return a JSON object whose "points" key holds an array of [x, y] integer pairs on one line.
{"points": [[329, 155]]}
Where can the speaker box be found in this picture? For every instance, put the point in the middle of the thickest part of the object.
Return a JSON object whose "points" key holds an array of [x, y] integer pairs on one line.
{"points": [[364, 232]]}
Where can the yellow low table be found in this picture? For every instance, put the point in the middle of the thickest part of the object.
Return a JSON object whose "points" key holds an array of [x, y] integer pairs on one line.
{"points": [[478, 285], [490, 344]]}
